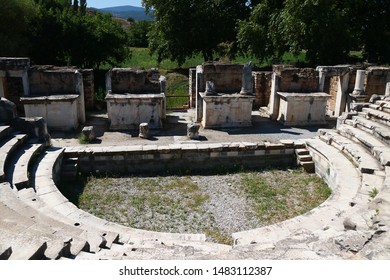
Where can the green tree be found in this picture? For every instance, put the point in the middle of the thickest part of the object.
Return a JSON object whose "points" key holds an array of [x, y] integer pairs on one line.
{"points": [[15, 18], [256, 34], [60, 36], [370, 21], [321, 27], [184, 28], [138, 34]]}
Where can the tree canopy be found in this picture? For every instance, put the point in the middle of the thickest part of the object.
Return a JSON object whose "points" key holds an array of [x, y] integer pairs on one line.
{"points": [[15, 17], [67, 32], [60, 32], [326, 29], [187, 27]]}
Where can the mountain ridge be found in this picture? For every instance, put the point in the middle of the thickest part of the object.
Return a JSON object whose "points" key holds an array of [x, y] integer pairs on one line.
{"points": [[137, 13]]}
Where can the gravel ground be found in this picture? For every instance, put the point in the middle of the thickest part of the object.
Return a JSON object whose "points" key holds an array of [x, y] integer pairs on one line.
{"points": [[217, 205]]}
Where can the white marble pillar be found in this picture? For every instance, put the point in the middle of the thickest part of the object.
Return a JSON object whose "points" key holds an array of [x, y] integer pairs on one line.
{"points": [[199, 88], [80, 101], [274, 100], [359, 82], [387, 92]]}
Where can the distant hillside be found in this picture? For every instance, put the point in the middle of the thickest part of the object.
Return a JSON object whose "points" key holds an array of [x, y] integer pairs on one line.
{"points": [[137, 13]]}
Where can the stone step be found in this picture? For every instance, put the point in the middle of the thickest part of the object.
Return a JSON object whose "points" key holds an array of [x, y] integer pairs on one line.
{"points": [[18, 167], [5, 252], [301, 152], [308, 166], [156, 250], [47, 197], [23, 247], [381, 131], [5, 131], [381, 105], [379, 149], [14, 224], [79, 241], [7, 148], [304, 158], [366, 162], [378, 116], [371, 185], [320, 224]]}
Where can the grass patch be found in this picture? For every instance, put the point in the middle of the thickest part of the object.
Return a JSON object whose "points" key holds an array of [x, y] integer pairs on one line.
{"points": [[373, 193], [211, 204], [279, 195]]}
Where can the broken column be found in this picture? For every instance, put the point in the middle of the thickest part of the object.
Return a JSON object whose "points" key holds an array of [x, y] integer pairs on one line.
{"points": [[247, 85], [193, 131], [89, 133], [358, 95], [144, 130]]}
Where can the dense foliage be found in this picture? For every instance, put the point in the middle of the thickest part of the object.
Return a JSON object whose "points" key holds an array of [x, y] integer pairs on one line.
{"points": [[62, 32], [326, 30], [65, 32], [187, 27], [138, 34]]}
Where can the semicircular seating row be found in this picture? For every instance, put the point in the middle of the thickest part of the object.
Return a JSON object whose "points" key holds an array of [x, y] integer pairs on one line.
{"points": [[38, 222]]}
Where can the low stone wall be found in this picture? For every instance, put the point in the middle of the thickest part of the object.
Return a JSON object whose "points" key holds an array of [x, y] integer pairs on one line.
{"points": [[182, 157]]}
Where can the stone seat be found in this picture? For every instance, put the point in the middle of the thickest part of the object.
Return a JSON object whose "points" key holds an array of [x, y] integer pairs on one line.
{"points": [[378, 116], [381, 131], [18, 167], [380, 150], [29, 239], [381, 105], [320, 223], [7, 148], [48, 198], [5, 252], [156, 250], [364, 159], [5, 130], [81, 239]]}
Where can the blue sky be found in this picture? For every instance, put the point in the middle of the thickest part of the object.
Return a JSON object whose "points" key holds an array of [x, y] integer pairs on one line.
{"points": [[113, 3]]}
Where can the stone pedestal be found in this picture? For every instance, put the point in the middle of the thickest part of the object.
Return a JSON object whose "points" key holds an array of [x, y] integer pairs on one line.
{"points": [[59, 111], [128, 111], [302, 109], [193, 131], [387, 92], [144, 131], [89, 133], [227, 110]]}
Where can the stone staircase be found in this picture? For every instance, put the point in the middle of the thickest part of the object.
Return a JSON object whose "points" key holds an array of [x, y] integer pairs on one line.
{"points": [[38, 222], [353, 223]]}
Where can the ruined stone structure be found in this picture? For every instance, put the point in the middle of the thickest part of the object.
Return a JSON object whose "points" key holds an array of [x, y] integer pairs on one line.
{"points": [[295, 99], [135, 97], [56, 94], [14, 81], [262, 82], [38, 222], [224, 95]]}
